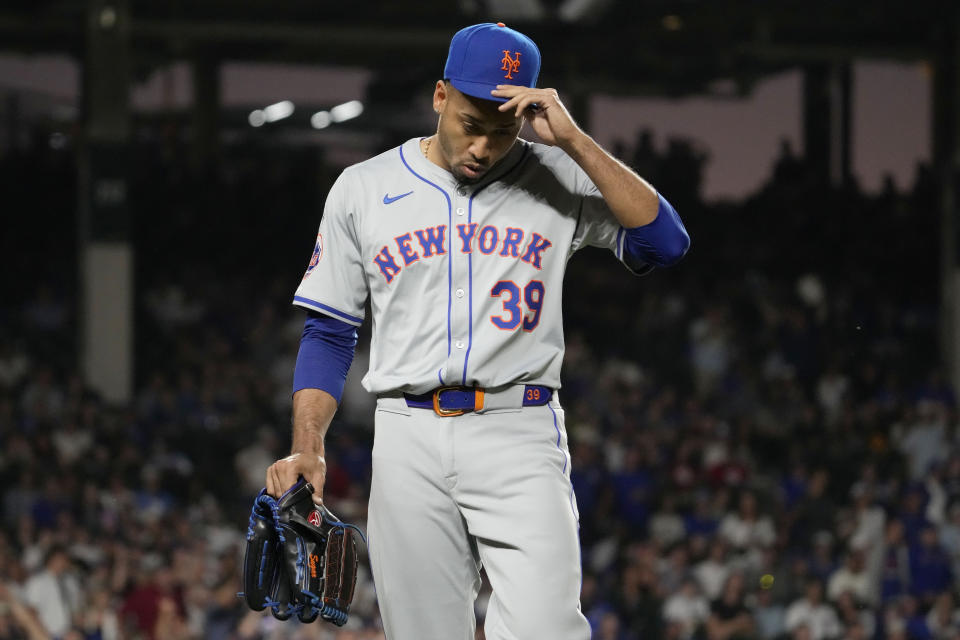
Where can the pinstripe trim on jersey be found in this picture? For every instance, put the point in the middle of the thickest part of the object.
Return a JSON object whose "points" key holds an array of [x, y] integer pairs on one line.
{"points": [[466, 357], [619, 248], [449, 245], [319, 306]]}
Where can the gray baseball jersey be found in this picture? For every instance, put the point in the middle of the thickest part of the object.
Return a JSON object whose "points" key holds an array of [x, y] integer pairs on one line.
{"points": [[465, 281]]}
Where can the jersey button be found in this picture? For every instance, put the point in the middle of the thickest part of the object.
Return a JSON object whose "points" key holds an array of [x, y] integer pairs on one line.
{"points": [[459, 344], [461, 191], [460, 211], [459, 293]]}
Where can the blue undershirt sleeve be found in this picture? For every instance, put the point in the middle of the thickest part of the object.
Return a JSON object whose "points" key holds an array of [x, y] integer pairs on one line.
{"points": [[661, 243], [325, 356]]}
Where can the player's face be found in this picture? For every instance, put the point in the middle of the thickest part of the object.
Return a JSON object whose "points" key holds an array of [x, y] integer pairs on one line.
{"points": [[472, 134]]}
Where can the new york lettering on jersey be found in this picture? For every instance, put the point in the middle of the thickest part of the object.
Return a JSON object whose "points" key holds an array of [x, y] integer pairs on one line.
{"points": [[490, 240]]}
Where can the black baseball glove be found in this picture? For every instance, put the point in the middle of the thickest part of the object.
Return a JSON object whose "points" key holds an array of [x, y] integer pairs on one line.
{"points": [[300, 558]]}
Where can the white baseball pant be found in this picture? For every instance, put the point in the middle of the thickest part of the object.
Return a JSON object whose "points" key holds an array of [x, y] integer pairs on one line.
{"points": [[450, 493]]}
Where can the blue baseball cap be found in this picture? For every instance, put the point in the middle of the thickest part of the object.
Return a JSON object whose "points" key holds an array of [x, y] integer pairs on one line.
{"points": [[485, 55]]}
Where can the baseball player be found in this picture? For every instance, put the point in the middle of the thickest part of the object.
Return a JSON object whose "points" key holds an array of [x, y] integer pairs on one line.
{"points": [[460, 241]]}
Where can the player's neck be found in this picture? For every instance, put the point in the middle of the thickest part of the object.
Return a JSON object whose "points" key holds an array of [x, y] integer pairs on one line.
{"points": [[431, 151]]}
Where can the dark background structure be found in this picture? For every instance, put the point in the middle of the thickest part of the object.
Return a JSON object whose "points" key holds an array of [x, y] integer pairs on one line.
{"points": [[617, 48]]}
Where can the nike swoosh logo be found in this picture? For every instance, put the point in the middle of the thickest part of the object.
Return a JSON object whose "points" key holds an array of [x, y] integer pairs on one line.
{"points": [[387, 199]]}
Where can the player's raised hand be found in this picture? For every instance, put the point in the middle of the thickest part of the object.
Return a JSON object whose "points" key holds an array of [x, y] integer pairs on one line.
{"points": [[543, 108], [284, 473]]}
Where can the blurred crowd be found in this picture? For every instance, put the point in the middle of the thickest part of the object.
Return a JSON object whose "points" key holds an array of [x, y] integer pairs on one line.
{"points": [[763, 443]]}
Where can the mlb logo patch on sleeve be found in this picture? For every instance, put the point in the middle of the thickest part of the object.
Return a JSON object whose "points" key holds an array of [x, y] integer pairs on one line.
{"points": [[317, 254]]}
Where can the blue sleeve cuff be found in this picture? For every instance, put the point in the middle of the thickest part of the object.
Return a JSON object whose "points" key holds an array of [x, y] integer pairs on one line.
{"points": [[325, 356], [661, 243]]}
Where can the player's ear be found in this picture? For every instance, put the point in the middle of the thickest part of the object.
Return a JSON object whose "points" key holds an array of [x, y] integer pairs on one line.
{"points": [[440, 95]]}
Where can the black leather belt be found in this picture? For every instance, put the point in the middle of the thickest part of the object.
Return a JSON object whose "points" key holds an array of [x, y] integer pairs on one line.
{"points": [[455, 401]]}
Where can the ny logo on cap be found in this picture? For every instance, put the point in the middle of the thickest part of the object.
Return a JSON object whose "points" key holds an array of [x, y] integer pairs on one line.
{"points": [[510, 65]]}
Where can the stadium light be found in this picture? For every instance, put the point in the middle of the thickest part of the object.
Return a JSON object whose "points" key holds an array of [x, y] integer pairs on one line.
{"points": [[346, 111], [320, 120], [256, 118], [278, 111]]}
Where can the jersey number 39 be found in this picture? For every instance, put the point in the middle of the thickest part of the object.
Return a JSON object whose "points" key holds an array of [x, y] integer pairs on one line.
{"points": [[513, 316]]}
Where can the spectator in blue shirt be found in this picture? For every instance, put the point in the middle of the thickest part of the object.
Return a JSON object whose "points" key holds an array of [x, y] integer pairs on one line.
{"points": [[930, 570]]}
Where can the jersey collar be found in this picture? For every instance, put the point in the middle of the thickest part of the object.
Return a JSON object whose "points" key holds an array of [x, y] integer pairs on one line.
{"points": [[414, 156]]}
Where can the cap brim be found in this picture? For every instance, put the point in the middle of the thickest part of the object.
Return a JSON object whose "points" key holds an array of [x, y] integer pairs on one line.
{"points": [[476, 89]]}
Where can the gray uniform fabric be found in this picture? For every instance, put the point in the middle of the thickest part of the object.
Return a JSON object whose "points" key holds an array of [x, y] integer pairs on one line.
{"points": [[465, 287], [451, 494], [430, 261]]}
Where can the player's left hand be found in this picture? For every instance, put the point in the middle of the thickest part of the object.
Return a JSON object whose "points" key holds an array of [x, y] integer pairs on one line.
{"points": [[284, 473], [543, 108]]}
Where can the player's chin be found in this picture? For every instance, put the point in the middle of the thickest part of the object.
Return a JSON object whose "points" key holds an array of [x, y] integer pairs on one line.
{"points": [[469, 173]]}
